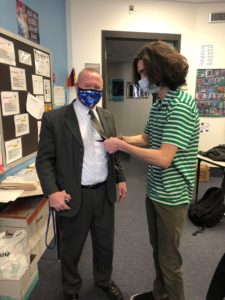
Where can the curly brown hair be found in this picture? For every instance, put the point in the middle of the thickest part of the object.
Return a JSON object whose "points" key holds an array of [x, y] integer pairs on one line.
{"points": [[164, 65]]}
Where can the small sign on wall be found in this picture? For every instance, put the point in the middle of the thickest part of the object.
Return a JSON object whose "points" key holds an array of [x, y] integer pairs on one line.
{"points": [[93, 66], [204, 127]]}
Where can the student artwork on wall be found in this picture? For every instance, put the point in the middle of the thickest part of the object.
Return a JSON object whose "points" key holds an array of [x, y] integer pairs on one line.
{"points": [[25, 93], [116, 90], [210, 92]]}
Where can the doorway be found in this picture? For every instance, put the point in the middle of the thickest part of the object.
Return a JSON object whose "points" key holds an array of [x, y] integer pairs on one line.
{"points": [[118, 50]]}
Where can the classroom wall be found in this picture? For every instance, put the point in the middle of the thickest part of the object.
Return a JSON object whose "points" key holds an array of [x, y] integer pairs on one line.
{"points": [[52, 29], [86, 19], [211, 34]]}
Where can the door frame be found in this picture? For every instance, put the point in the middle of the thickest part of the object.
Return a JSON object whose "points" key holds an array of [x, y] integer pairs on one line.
{"points": [[127, 35]]}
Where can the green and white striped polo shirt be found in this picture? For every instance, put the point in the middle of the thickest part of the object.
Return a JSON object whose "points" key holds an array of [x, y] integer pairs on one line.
{"points": [[175, 121]]}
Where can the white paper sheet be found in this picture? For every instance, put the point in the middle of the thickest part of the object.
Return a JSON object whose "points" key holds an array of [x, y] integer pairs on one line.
{"points": [[47, 90], [38, 129], [206, 57], [34, 106], [21, 124], [18, 79], [25, 58], [13, 149], [10, 103], [59, 95], [42, 63], [37, 84], [7, 52], [9, 195]]}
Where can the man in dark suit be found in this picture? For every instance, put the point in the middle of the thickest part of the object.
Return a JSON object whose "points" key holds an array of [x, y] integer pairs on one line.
{"points": [[79, 178]]}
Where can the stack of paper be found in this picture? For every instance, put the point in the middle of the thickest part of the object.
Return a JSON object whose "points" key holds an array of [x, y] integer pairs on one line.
{"points": [[17, 182], [9, 195]]}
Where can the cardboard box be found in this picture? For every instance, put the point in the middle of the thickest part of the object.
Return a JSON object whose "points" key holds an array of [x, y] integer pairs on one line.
{"points": [[29, 286], [30, 214], [20, 289], [204, 172], [24, 212]]}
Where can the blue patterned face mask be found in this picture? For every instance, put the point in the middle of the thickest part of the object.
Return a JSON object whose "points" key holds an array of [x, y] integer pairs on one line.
{"points": [[146, 88], [89, 98]]}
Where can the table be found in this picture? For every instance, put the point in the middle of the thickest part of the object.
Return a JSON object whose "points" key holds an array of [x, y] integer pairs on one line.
{"points": [[201, 158]]}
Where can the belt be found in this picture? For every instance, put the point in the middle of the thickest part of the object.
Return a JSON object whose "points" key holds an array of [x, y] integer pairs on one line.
{"points": [[93, 186]]}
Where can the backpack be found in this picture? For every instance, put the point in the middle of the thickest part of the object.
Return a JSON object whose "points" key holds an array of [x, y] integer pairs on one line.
{"points": [[209, 210]]}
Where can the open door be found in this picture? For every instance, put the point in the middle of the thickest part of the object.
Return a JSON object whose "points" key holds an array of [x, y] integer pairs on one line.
{"points": [[118, 49]]}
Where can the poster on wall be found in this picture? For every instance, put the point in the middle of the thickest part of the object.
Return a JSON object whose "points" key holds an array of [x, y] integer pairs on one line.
{"points": [[210, 92], [27, 20], [206, 57], [59, 95]]}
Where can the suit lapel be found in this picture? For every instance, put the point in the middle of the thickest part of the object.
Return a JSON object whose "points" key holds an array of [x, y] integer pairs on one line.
{"points": [[72, 122]]}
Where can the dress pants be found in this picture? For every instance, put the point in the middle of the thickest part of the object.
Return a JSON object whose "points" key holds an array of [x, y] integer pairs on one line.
{"points": [[165, 229], [97, 215]]}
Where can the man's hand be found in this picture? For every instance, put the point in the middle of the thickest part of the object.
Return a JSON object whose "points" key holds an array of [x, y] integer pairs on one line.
{"points": [[59, 200], [122, 190], [113, 144]]}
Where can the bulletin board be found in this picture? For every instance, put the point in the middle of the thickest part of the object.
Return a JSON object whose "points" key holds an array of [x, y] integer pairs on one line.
{"points": [[25, 93], [210, 92]]}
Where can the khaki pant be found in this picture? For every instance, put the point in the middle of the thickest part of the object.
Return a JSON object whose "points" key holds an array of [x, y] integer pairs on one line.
{"points": [[165, 229]]}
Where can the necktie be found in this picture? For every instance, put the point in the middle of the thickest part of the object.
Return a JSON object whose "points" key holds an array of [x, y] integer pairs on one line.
{"points": [[97, 125]]}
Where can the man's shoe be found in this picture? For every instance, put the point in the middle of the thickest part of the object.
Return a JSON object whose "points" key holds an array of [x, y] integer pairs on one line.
{"points": [[71, 297], [112, 291], [143, 296]]}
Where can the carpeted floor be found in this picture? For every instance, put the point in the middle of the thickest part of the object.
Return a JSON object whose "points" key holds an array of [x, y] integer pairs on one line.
{"points": [[133, 264]]}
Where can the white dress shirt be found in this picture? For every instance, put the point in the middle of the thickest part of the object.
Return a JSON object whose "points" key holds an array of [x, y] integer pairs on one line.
{"points": [[95, 163]]}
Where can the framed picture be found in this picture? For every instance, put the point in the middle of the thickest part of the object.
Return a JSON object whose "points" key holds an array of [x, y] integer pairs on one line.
{"points": [[116, 90], [134, 91]]}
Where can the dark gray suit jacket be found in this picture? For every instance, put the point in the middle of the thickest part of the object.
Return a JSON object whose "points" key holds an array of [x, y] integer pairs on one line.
{"points": [[60, 155]]}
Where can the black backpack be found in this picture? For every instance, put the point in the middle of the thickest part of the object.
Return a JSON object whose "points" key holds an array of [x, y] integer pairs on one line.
{"points": [[210, 209]]}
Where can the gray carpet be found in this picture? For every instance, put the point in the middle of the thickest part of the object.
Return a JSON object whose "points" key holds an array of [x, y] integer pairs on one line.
{"points": [[133, 264]]}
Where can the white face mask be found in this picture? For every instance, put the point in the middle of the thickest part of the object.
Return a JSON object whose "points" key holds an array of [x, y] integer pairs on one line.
{"points": [[146, 88]]}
